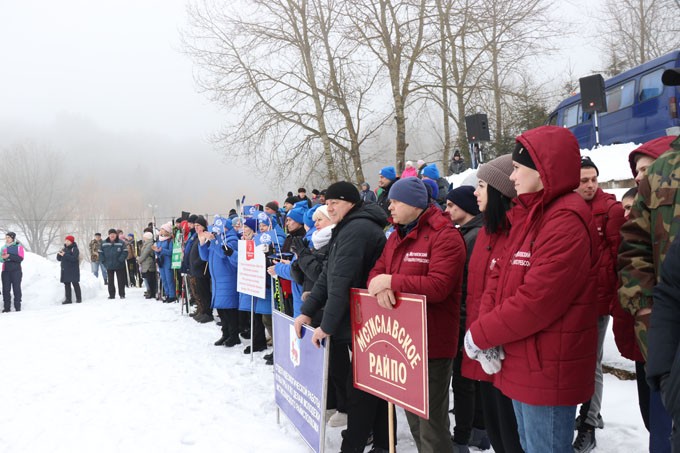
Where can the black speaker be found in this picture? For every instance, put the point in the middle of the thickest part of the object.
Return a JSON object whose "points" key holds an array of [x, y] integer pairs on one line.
{"points": [[477, 126], [593, 97]]}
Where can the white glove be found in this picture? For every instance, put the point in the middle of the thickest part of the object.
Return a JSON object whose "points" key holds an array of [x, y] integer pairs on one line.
{"points": [[490, 359], [471, 348], [264, 248]]}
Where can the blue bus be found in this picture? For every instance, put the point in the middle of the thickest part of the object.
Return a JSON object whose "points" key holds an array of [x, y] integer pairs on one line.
{"points": [[639, 107]]}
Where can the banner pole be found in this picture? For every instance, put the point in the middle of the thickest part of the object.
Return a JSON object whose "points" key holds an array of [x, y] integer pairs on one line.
{"points": [[252, 331], [390, 424]]}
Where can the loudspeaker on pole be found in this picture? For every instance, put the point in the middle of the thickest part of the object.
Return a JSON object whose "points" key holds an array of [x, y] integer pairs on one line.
{"points": [[477, 126], [593, 97]]}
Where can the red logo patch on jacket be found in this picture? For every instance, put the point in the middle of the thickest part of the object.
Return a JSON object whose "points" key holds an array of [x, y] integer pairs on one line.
{"points": [[417, 257], [521, 258]]}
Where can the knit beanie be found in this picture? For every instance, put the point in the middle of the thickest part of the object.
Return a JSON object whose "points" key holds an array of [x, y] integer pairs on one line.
{"points": [[343, 190], [201, 221], [431, 172], [496, 173], [411, 191], [70, 238], [149, 235], [292, 200], [432, 188], [274, 206], [111, 230], [192, 218], [167, 227], [587, 163], [309, 216], [522, 156], [464, 198], [388, 172], [252, 224], [297, 214], [322, 211]]}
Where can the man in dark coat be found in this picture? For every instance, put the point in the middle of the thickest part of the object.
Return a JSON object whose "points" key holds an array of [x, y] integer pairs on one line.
{"points": [[356, 244], [113, 255], [664, 339], [386, 177], [69, 257]]}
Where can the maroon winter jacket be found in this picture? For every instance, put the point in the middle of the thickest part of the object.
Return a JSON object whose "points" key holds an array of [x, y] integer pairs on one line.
{"points": [[539, 304], [487, 251], [608, 218], [429, 260]]}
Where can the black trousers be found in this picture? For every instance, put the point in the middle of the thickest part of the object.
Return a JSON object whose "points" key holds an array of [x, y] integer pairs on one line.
{"points": [[365, 414], [150, 277], [338, 369], [121, 277], [229, 318], [499, 418], [11, 283], [466, 402], [643, 391], [204, 295], [67, 291], [257, 335]]}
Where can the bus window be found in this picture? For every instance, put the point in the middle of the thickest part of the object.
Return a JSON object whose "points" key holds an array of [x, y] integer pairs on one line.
{"points": [[650, 85], [621, 96], [571, 116], [552, 121]]}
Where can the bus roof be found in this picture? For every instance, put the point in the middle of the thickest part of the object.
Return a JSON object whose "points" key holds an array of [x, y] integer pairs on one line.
{"points": [[672, 56]]}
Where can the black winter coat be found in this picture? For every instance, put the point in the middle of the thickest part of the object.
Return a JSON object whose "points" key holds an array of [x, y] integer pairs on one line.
{"points": [[355, 246], [197, 267], [664, 333], [70, 264], [384, 199]]}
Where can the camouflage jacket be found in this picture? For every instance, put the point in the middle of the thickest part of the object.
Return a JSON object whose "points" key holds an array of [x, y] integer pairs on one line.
{"points": [[95, 245], [653, 223]]}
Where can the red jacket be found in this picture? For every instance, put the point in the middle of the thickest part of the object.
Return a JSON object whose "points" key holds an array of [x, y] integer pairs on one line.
{"points": [[539, 304], [487, 252], [608, 218], [429, 260]]}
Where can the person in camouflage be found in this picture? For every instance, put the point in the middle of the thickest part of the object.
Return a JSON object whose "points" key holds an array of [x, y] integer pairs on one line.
{"points": [[646, 237], [95, 245], [648, 233]]}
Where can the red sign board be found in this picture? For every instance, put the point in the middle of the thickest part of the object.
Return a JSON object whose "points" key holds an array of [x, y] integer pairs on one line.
{"points": [[389, 350]]}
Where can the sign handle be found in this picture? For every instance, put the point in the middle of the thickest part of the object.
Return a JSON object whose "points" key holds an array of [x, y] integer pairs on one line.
{"points": [[390, 424], [252, 331]]}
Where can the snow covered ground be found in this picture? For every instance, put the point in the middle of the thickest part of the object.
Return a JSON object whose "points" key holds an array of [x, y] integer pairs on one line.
{"points": [[135, 375]]}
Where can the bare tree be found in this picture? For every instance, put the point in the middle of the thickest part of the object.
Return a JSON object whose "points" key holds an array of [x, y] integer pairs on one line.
{"points": [[35, 194], [639, 30], [394, 31]]}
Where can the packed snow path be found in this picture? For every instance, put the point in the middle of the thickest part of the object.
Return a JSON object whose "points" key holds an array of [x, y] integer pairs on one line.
{"points": [[135, 375]]}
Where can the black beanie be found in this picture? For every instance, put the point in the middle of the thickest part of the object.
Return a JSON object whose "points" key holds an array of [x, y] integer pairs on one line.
{"points": [[464, 198], [113, 230], [522, 156], [343, 190], [192, 218], [11, 234], [587, 163], [292, 200], [201, 221]]}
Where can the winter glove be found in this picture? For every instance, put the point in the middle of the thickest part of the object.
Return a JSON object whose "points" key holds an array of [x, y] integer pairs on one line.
{"points": [[471, 348], [299, 246], [490, 359], [227, 250]]}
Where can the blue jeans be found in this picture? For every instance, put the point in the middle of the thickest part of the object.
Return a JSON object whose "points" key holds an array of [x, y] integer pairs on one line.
{"points": [[95, 269], [660, 424], [545, 429]]}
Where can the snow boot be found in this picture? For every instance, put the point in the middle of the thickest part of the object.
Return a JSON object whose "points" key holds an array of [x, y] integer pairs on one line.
{"points": [[585, 439], [479, 439], [221, 341], [66, 302], [581, 419], [338, 419], [232, 341]]}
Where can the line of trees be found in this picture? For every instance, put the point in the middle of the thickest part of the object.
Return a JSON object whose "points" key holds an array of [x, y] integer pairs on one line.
{"points": [[315, 85]]}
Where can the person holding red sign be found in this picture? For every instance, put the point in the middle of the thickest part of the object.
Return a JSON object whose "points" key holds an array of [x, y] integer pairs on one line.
{"points": [[537, 327], [425, 255]]}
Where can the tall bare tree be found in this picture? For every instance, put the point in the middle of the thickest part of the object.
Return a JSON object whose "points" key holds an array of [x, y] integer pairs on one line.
{"points": [[35, 194], [395, 32], [639, 30]]}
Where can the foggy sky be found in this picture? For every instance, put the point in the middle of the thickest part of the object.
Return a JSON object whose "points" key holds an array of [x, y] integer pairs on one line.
{"points": [[106, 82]]}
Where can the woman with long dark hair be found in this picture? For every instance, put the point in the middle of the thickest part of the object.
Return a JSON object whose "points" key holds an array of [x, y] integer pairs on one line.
{"points": [[494, 195]]}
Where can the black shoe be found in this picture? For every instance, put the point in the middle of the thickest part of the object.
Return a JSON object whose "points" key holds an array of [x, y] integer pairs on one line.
{"points": [[585, 439], [580, 420], [219, 323], [269, 361], [221, 341], [79, 301], [245, 334], [269, 356], [112, 297], [122, 297], [5, 311], [232, 341], [204, 318], [257, 349], [66, 302]]}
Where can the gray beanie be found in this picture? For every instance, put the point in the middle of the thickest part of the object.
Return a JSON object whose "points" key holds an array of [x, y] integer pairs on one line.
{"points": [[411, 191], [496, 173]]}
